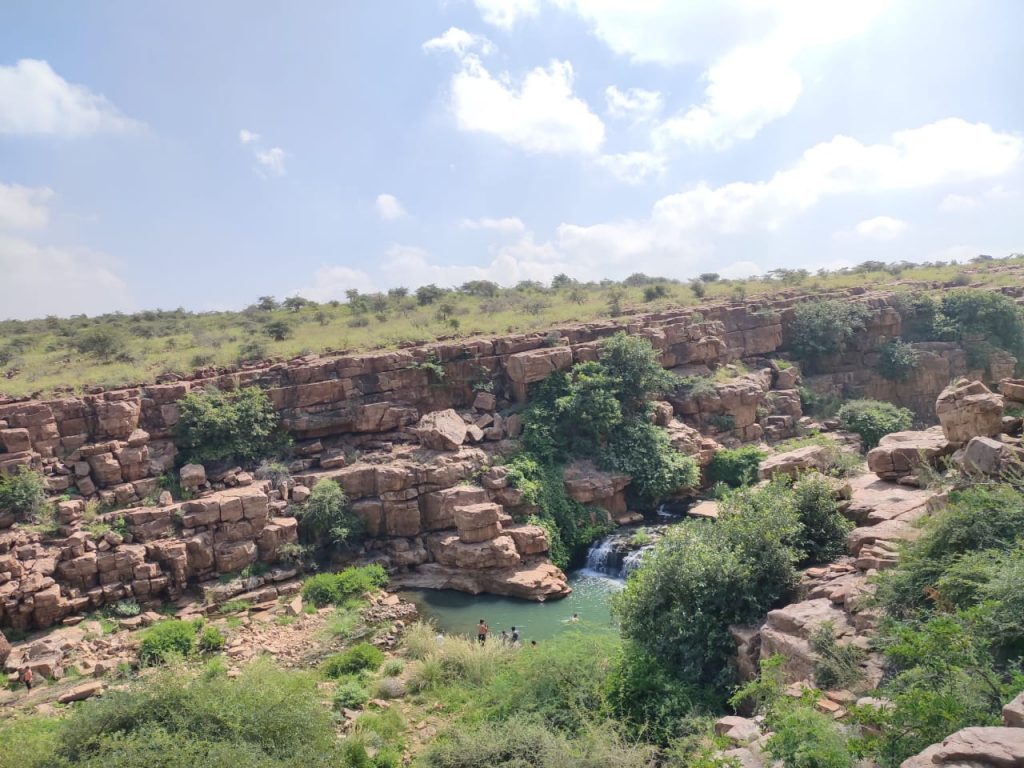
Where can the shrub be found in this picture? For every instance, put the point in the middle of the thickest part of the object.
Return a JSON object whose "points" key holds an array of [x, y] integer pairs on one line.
{"points": [[393, 668], [822, 328], [356, 659], [701, 577], [22, 494], [521, 742], [804, 738], [350, 694], [823, 538], [698, 288], [735, 466], [645, 695], [896, 360], [241, 425], [325, 519], [167, 640], [210, 640], [644, 452], [278, 330], [654, 292], [251, 350], [266, 718], [837, 666], [102, 341], [873, 420], [125, 609], [326, 588]]}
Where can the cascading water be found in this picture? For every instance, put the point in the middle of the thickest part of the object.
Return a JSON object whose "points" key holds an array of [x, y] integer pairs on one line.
{"points": [[615, 556]]}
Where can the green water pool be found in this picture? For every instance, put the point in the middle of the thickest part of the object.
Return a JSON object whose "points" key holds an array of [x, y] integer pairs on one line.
{"points": [[458, 613]]}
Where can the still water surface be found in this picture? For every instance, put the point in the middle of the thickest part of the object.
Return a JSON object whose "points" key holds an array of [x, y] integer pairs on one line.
{"points": [[458, 613]]}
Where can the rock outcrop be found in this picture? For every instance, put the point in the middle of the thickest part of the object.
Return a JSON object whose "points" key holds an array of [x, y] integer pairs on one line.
{"points": [[968, 409], [899, 456]]}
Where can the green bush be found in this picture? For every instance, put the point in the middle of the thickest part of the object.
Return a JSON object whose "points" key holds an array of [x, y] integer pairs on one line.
{"points": [[210, 640], [823, 538], [124, 609], [350, 694], [977, 519], [805, 738], [837, 666], [873, 420], [326, 518], [822, 328], [529, 743], [104, 342], [646, 697], [22, 494], [327, 588], [735, 466], [897, 360], [240, 425], [266, 717], [166, 641], [643, 451], [356, 659], [702, 577]]}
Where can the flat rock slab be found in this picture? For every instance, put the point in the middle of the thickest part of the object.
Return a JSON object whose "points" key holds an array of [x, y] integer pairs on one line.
{"points": [[874, 501]]}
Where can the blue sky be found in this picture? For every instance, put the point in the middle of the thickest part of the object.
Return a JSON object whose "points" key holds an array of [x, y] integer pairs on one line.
{"points": [[203, 154]]}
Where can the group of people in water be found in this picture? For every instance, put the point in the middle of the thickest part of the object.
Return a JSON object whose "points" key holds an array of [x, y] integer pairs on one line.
{"points": [[510, 637]]}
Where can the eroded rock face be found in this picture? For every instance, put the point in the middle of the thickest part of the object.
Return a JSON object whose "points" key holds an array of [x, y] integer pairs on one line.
{"points": [[587, 484], [969, 409], [442, 430], [792, 463]]}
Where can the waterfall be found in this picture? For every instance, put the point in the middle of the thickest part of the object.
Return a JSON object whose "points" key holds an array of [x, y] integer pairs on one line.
{"points": [[614, 556]]}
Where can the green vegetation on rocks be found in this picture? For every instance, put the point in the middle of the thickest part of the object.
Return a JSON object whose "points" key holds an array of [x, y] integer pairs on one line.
{"points": [[239, 425], [873, 420]]}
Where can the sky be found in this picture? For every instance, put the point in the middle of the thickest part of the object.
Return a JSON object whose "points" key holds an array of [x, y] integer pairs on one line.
{"points": [[197, 154]]}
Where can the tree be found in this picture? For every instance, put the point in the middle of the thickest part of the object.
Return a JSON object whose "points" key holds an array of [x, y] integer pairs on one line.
{"points": [[560, 281], [709, 277], [295, 303], [278, 330], [266, 303], [698, 288], [428, 294], [485, 288], [398, 293]]}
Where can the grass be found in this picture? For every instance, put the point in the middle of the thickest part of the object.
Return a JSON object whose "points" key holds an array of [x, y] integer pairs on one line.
{"points": [[40, 356]]}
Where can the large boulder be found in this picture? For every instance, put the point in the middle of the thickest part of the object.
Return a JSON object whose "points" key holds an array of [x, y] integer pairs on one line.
{"points": [[968, 409], [442, 430], [978, 747], [902, 453], [792, 463], [587, 484], [5, 649], [1012, 389], [983, 455], [192, 476]]}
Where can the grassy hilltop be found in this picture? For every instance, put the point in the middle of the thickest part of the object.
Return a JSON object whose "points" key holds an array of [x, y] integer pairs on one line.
{"points": [[53, 354]]}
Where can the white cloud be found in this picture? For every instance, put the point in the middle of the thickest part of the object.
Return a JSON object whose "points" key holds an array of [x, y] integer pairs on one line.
{"points": [[36, 100], [270, 161], [42, 280], [954, 203], [881, 228], [754, 53], [539, 115], [23, 207], [634, 167], [505, 13], [508, 225], [635, 104], [388, 207], [682, 226], [331, 282], [458, 41]]}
